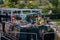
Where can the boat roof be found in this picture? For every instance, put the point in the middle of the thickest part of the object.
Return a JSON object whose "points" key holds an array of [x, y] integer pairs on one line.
{"points": [[17, 9]]}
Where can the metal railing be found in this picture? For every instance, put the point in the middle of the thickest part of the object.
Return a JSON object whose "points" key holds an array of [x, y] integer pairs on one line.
{"points": [[46, 34], [25, 33], [31, 34], [2, 36]]}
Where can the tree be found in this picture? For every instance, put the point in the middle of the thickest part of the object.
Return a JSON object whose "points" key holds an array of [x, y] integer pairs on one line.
{"points": [[10, 3], [55, 4], [31, 5], [1, 1]]}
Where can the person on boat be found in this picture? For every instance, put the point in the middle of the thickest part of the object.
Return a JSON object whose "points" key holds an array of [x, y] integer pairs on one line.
{"points": [[12, 17], [39, 19]]}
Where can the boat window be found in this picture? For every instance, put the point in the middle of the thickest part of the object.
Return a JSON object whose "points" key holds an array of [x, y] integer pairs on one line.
{"points": [[16, 12], [9, 12], [4, 12], [26, 12], [34, 11], [19, 12]]}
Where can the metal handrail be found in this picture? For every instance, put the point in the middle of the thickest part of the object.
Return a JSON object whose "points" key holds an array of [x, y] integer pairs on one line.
{"points": [[1, 35], [25, 33], [6, 38], [46, 33]]}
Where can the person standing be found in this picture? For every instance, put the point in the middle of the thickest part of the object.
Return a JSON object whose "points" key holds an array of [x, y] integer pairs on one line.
{"points": [[13, 17], [38, 19]]}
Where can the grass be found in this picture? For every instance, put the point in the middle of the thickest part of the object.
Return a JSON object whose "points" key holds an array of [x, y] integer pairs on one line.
{"points": [[57, 20]]}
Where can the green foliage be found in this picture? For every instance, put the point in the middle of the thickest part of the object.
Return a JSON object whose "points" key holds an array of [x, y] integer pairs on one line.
{"points": [[1, 1], [10, 3], [56, 10], [22, 4], [45, 11], [54, 2], [56, 6], [13, 0], [18, 4]]}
